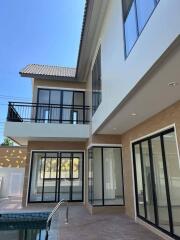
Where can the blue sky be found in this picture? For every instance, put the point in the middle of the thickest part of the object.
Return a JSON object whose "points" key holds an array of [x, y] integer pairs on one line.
{"points": [[35, 31]]}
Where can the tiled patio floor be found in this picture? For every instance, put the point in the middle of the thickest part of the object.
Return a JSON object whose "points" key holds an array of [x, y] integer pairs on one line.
{"points": [[10, 204], [83, 226], [14, 204]]}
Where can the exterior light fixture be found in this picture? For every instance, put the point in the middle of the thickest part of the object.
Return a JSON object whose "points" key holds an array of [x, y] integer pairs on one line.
{"points": [[172, 84]]}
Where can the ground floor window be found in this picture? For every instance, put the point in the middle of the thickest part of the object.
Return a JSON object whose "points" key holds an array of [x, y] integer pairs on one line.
{"points": [[105, 176], [157, 181], [56, 176]]}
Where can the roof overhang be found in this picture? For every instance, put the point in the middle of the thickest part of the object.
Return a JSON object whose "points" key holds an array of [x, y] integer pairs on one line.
{"points": [[48, 77], [93, 19]]}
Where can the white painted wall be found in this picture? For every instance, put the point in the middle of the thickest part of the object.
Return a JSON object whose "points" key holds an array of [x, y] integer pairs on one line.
{"points": [[12, 181], [119, 75]]}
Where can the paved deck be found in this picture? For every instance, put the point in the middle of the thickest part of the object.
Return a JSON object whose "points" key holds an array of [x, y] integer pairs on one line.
{"points": [[10, 204], [14, 204], [82, 225], [97, 227]]}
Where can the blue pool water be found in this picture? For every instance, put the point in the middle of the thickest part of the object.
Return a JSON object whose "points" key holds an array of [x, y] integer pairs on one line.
{"points": [[23, 226]]}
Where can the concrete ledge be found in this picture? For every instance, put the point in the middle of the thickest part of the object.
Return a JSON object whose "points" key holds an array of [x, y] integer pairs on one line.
{"points": [[22, 132]]}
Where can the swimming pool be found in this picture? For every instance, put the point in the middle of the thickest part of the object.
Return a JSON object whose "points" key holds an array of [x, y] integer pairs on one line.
{"points": [[23, 226]]}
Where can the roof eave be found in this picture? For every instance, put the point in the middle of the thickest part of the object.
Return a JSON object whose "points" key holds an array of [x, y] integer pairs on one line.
{"points": [[93, 19], [48, 77]]}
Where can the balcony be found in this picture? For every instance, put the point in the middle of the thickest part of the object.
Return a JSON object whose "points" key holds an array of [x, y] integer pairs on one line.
{"points": [[39, 121]]}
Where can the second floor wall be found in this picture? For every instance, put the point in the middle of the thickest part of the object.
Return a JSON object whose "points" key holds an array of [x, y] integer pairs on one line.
{"points": [[122, 70]]}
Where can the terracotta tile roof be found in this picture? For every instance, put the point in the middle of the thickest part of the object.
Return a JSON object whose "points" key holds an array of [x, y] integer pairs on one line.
{"points": [[46, 71]]}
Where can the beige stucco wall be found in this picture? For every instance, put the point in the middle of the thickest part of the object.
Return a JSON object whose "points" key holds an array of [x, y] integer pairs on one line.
{"points": [[104, 139], [45, 145], [167, 117]]}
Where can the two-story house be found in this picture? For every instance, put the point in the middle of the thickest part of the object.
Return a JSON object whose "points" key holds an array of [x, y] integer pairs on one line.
{"points": [[107, 133]]}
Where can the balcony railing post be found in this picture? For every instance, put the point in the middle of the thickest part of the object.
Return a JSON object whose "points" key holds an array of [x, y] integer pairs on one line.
{"points": [[9, 111]]}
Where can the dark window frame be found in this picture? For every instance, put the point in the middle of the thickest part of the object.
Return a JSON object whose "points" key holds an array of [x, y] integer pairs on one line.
{"points": [[72, 106], [96, 82], [57, 179], [156, 2], [102, 172], [164, 161]]}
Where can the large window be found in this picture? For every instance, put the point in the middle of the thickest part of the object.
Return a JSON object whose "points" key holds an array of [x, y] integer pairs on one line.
{"points": [[136, 14], [157, 181], [105, 180], [61, 106], [96, 82], [56, 176]]}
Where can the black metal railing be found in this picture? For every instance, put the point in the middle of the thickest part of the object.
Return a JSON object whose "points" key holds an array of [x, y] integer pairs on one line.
{"points": [[47, 113]]}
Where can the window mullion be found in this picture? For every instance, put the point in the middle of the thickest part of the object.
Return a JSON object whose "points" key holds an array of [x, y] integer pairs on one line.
{"points": [[143, 180], [167, 185], [43, 177], [137, 24], [153, 183]]}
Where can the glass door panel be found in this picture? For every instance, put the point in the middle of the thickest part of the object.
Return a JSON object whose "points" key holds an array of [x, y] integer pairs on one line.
{"points": [[79, 101], [37, 173], [67, 106], [160, 183], [49, 177], [173, 169], [65, 178], [97, 176], [55, 99], [90, 175], [77, 172], [113, 189], [148, 182], [43, 108], [139, 181], [49, 190]]}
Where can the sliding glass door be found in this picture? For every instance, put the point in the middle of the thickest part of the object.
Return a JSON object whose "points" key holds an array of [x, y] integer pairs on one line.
{"points": [[105, 178], [56, 176], [157, 181]]}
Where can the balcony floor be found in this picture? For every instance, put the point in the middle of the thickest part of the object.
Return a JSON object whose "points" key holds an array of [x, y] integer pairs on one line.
{"points": [[97, 227]]}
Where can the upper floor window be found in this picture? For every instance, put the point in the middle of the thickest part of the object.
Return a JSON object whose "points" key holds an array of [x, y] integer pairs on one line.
{"points": [[96, 83], [136, 14], [63, 106]]}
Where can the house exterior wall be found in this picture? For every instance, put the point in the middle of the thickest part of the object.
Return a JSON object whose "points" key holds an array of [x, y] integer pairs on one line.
{"points": [[169, 116], [120, 75], [104, 139]]}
